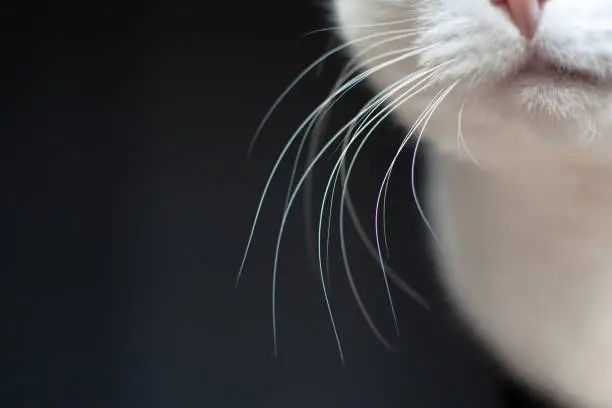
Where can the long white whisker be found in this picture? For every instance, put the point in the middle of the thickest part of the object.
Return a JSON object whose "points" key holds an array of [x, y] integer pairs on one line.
{"points": [[327, 268], [385, 112], [336, 96], [349, 275], [345, 260], [386, 182], [422, 118], [347, 268], [391, 108], [384, 222], [306, 71], [282, 227], [369, 246], [461, 140], [397, 280], [294, 137], [385, 185], [379, 100], [376, 25], [318, 124], [416, 147], [318, 127]]}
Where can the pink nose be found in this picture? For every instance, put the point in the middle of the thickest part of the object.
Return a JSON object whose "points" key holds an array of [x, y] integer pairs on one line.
{"points": [[525, 14]]}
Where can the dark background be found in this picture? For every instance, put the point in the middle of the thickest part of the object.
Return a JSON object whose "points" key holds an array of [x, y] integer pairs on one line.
{"points": [[128, 198]]}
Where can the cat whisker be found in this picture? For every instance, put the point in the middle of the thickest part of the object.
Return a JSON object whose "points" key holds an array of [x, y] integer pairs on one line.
{"points": [[307, 125], [422, 119], [317, 133], [384, 222], [307, 70], [460, 139], [412, 171], [411, 51], [346, 177], [384, 226], [384, 217], [379, 100], [299, 184], [347, 267], [347, 73], [350, 130], [385, 186], [375, 25], [319, 123], [295, 135], [321, 153], [397, 280]]}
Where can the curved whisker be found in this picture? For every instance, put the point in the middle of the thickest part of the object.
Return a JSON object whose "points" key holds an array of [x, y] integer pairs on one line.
{"points": [[292, 139], [385, 113], [461, 140], [384, 222], [317, 133], [423, 118], [416, 147], [386, 181], [320, 123], [323, 150], [307, 70], [375, 25], [397, 280], [314, 124]]}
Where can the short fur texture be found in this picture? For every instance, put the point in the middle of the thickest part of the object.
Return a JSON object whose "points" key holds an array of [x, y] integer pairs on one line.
{"points": [[525, 219]]}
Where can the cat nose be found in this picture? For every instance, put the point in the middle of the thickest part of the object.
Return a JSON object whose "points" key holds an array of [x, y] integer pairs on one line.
{"points": [[525, 14]]}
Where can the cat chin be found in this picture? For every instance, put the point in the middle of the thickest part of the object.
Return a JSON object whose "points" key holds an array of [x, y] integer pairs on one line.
{"points": [[497, 128], [553, 99], [573, 116]]}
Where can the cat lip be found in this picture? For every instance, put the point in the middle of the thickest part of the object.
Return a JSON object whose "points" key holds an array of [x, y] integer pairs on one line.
{"points": [[538, 67]]}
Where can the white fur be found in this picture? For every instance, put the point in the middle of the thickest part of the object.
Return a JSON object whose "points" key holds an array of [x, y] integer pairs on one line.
{"points": [[526, 234]]}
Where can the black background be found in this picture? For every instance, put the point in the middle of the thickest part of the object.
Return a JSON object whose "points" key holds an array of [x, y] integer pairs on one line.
{"points": [[128, 198]]}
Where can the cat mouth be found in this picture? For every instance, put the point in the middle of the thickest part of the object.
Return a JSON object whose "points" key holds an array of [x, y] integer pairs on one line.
{"points": [[539, 69]]}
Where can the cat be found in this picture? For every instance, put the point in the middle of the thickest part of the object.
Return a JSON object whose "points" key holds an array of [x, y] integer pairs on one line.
{"points": [[515, 99]]}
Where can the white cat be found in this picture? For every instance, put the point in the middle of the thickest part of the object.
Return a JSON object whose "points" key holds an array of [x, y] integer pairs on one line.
{"points": [[522, 206]]}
